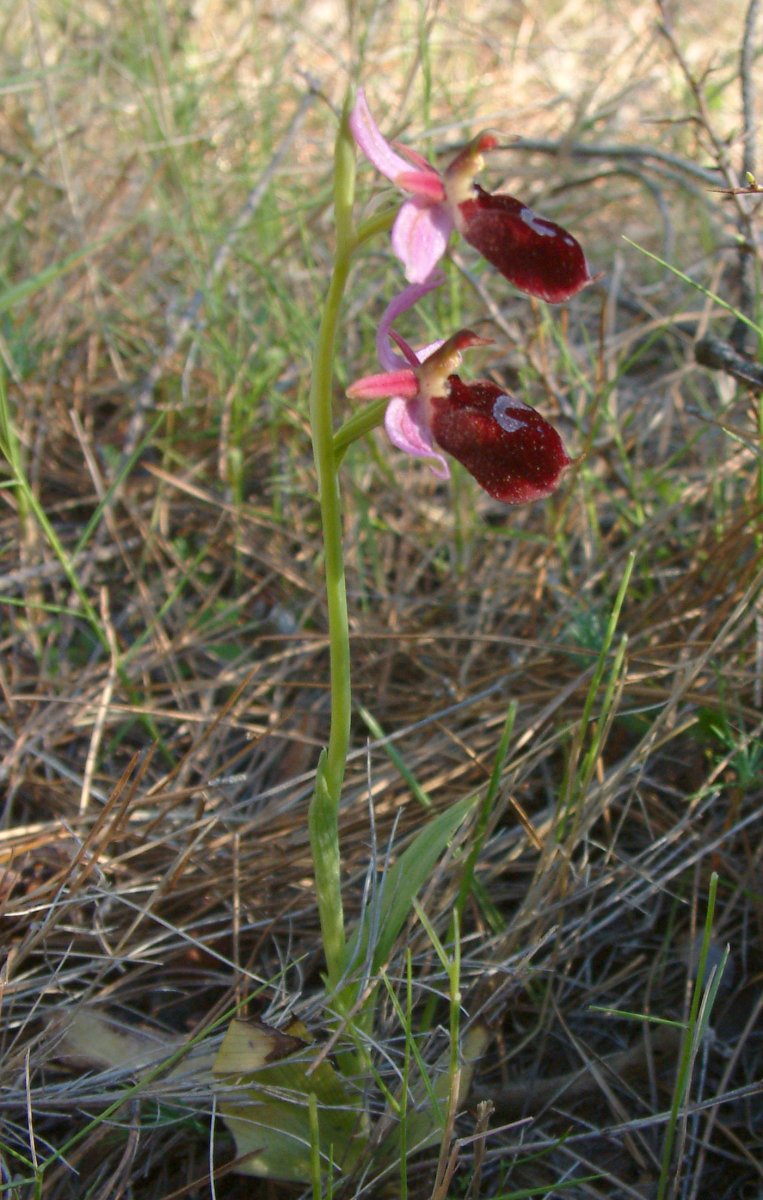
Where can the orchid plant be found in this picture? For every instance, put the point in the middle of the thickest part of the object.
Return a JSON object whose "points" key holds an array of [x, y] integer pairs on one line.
{"points": [[512, 452], [428, 411]]}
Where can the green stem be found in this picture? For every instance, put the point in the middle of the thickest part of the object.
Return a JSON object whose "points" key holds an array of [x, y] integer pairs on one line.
{"points": [[324, 809], [331, 520]]}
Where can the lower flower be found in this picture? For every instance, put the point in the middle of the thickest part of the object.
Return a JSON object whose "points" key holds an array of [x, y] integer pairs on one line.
{"points": [[509, 448]]}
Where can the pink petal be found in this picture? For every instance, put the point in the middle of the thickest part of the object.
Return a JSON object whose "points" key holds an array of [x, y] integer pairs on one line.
{"points": [[401, 303], [401, 382], [536, 255], [373, 143], [427, 185], [408, 353], [417, 159], [407, 430], [512, 452], [420, 237]]}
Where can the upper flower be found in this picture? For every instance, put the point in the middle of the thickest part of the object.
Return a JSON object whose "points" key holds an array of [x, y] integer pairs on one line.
{"points": [[536, 255], [512, 452]]}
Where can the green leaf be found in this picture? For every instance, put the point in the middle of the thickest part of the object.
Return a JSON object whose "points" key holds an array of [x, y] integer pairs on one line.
{"points": [[402, 883]]}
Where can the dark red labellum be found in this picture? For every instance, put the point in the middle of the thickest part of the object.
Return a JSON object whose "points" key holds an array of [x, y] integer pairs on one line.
{"points": [[516, 457], [536, 255]]}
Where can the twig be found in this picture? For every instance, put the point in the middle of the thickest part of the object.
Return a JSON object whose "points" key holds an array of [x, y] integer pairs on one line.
{"points": [[103, 705], [749, 246], [739, 333], [482, 1124], [722, 356], [746, 61], [563, 149], [54, 570], [695, 87]]}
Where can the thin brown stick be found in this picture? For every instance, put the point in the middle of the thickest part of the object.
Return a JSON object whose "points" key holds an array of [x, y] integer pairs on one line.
{"points": [[746, 64], [615, 150]]}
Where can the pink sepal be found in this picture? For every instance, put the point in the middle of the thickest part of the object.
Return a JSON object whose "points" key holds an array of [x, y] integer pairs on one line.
{"points": [[372, 141]]}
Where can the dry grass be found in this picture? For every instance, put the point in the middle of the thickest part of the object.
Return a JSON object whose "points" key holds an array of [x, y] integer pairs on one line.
{"points": [[164, 668]]}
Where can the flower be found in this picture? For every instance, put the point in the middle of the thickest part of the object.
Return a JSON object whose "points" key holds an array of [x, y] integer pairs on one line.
{"points": [[536, 255], [512, 452]]}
